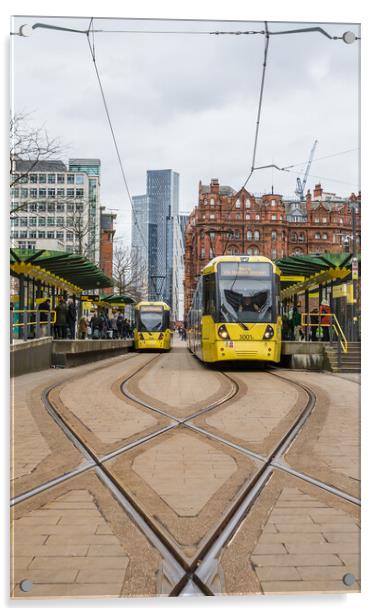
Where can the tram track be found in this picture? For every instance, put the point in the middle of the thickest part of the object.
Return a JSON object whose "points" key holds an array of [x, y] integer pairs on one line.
{"points": [[187, 578]]}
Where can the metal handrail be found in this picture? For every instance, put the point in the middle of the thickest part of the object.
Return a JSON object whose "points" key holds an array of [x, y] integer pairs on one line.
{"points": [[334, 324], [22, 324]]}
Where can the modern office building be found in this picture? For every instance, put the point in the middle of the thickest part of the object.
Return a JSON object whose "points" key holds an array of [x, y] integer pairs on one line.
{"points": [[163, 203], [56, 208]]}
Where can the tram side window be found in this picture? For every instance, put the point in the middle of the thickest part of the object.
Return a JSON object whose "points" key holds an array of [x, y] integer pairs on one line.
{"points": [[277, 295], [209, 295]]}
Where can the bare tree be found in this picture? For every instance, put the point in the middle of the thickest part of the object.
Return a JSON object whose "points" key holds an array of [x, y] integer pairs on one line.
{"points": [[129, 272], [29, 144]]}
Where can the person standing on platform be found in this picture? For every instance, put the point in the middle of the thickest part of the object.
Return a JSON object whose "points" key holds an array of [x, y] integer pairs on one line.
{"points": [[296, 322], [314, 321], [72, 316], [43, 317], [325, 312], [83, 328], [61, 319]]}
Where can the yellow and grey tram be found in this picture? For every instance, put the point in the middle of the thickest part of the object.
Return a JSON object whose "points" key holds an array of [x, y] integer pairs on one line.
{"points": [[235, 312], [152, 326]]}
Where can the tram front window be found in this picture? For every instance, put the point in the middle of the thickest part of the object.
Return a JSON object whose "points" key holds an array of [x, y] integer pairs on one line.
{"points": [[245, 292], [150, 321]]}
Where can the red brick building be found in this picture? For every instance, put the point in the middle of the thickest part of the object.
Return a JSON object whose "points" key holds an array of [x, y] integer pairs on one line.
{"points": [[230, 222], [107, 232]]}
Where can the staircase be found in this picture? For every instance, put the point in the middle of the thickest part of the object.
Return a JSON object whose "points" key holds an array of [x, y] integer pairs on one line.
{"points": [[349, 362]]}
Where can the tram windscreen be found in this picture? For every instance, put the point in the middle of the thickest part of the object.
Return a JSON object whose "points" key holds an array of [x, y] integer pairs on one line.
{"points": [[151, 320], [245, 292]]}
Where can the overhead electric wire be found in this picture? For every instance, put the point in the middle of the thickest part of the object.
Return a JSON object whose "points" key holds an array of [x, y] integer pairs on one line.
{"points": [[92, 52]]}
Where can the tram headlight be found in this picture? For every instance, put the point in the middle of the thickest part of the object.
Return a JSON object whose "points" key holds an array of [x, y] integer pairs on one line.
{"points": [[268, 333], [223, 332]]}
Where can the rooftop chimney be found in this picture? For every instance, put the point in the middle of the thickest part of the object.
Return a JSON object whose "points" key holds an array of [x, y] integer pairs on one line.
{"points": [[318, 190], [215, 186]]}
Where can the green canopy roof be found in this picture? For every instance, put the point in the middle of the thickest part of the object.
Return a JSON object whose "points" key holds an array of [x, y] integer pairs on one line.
{"points": [[118, 299], [301, 271], [75, 269]]}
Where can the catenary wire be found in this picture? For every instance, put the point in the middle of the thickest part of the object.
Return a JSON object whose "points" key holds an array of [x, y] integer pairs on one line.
{"points": [[115, 142]]}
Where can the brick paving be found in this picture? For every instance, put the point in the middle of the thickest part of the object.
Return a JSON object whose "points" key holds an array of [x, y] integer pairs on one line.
{"points": [[296, 538], [259, 415]]}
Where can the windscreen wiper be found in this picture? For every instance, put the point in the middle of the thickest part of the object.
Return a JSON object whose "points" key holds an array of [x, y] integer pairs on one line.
{"points": [[225, 309]]}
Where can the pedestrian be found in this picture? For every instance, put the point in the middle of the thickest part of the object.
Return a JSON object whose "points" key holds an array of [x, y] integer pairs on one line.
{"points": [[72, 316], [120, 325], [114, 327], [95, 326], [296, 322], [314, 321], [83, 328], [126, 329], [43, 317], [61, 319], [325, 320]]}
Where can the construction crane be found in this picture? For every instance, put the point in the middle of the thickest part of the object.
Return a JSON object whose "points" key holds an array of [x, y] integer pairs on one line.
{"points": [[300, 186]]}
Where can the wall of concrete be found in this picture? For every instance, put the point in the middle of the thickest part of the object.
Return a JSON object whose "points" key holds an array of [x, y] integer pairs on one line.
{"points": [[303, 355], [30, 356], [70, 353]]}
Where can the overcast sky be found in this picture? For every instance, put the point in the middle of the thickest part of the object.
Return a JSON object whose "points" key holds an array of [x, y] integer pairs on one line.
{"points": [[189, 102]]}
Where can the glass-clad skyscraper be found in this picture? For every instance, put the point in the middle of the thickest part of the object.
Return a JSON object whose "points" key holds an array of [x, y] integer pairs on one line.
{"points": [[163, 197]]}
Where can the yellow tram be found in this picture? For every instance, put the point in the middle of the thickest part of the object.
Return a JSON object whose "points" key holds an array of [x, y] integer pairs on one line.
{"points": [[235, 312], [152, 326]]}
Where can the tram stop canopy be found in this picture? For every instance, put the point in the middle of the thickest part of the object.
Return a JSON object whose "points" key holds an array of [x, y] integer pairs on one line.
{"points": [[65, 271], [303, 272], [118, 300]]}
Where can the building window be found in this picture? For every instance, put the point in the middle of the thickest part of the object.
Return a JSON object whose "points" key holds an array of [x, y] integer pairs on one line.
{"points": [[33, 178], [70, 178], [249, 235], [23, 222], [15, 192], [247, 203], [60, 207], [273, 236], [317, 236], [238, 203], [237, 234], [257, 217], [70, 192], [202, 253], [60, 235], [256, 235], [212, 235], [79, 178], [238, 216], [41, 207], [316, 220], [60, 192], [32, 207], [14, 235], [24, 193], [79, 193], [60, 221], [212, 216], [255, 250], [247, 217], [33, 234], [324, 220], [51, 192], [69, 236], [61, 178], [50, 221], [51, 178], [41, 221], [51, 235], [273, 202], [23, 234], [294, 237], [33, 221], [273, 253], [51, 207], [212, 202], [340, 221], [42, 178], [14, 222], [42, 192], [41, 235], [33, 193], [273, 217], [324, 236]]}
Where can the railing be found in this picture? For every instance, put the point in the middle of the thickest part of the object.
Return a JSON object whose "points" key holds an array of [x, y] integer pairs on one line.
{"points": [[334, 323], [32, 326]]}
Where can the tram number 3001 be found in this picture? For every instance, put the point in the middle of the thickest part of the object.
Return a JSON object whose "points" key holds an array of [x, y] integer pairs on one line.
{"points": [[246, 337]]}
